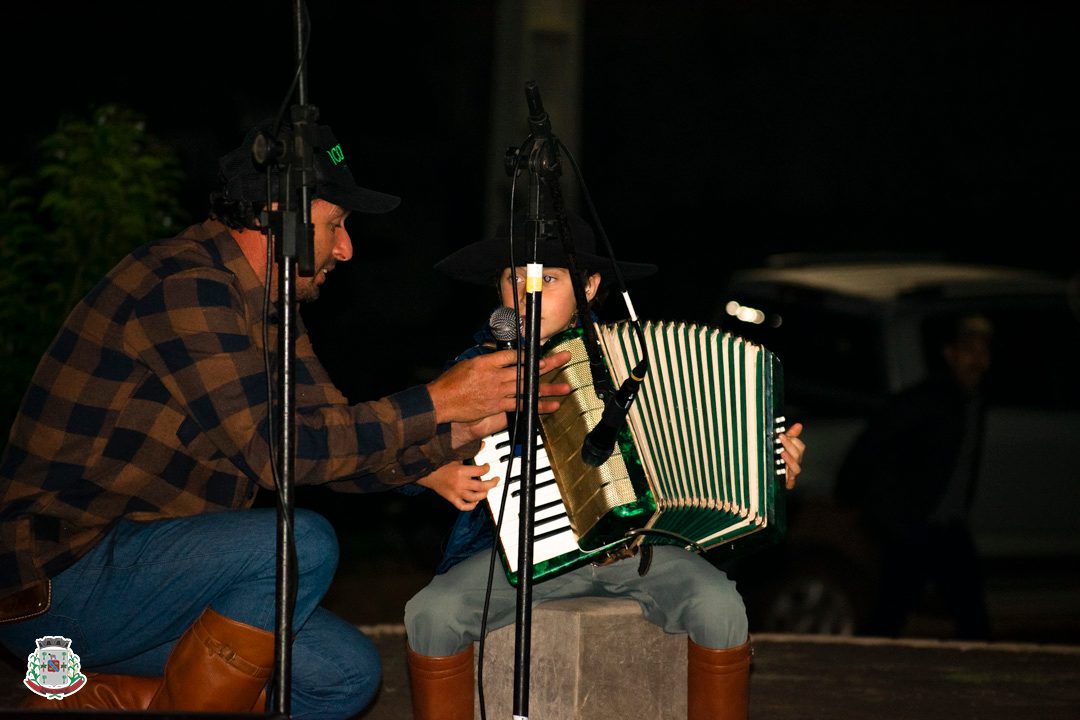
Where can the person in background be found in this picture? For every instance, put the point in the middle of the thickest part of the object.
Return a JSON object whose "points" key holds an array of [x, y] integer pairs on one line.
{"points": [[681, 592], [128, 480], [912, 476]]}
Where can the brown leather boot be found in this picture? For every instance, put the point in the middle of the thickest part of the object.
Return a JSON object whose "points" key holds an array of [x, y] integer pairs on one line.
{"points": [[107, 691], [114, 692], [218, 665], [103, 691], [442, 687], [717, 682]]}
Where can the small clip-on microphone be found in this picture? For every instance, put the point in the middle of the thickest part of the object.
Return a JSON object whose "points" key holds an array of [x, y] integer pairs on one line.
{"points": [[600, 441]]}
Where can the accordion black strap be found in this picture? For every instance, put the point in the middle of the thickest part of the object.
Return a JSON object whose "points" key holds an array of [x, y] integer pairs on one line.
{"points": [[645, 561]]}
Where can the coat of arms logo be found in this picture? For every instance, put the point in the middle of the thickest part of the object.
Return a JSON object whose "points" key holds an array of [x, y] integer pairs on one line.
{"points": [[52, 670]]}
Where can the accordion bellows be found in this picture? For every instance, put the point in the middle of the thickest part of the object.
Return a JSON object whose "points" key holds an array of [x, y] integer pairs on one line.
{"points": [[698, 463]]}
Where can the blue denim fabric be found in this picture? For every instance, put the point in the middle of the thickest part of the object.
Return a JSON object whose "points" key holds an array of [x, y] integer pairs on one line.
{"points": [[126, 603], [473, 532]]}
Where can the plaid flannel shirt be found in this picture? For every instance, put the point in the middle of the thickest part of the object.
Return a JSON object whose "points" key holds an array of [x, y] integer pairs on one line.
{"points": [[151, 403]]}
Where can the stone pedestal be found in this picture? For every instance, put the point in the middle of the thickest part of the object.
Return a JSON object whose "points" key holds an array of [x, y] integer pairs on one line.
{"points": [[591, 659]]}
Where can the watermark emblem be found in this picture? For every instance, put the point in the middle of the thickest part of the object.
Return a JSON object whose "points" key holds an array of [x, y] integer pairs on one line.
{"points": [[52, 671]]}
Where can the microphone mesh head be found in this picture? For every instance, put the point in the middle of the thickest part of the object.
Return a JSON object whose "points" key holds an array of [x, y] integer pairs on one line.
{"points": [[504, 324]]}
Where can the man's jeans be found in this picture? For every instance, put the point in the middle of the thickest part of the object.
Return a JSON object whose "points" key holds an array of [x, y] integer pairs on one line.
{"points": [[126, 602]]}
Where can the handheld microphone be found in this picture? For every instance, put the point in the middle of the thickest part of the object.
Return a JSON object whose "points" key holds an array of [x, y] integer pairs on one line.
{"points": [[504, 327], [600, 441]]}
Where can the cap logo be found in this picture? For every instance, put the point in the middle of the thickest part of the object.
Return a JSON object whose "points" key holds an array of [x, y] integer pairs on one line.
{"points": [[337, 156]]}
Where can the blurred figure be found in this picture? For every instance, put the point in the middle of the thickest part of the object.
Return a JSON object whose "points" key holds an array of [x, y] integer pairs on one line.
{"points": [[912, 475]]}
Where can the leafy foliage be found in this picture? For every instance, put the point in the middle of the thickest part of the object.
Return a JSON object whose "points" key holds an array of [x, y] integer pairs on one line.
{"points": [[104, 186]]}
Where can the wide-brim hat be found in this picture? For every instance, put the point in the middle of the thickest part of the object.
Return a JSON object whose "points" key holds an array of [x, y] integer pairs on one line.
{"points": [[481, 262], [244, 180]]}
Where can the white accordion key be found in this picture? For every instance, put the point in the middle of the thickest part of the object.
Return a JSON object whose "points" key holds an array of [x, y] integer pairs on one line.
{"points": [[781, 427], [552, 534]]}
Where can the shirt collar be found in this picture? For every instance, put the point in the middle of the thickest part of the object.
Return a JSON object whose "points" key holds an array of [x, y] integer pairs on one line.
{"points": [[251, 285]]}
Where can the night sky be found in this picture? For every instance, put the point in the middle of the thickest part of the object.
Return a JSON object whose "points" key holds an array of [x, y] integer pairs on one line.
{"points": [[714, 134]]}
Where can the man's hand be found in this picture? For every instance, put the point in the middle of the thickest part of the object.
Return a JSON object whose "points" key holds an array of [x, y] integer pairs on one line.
{"points": [[480, 387], [462, 434]]}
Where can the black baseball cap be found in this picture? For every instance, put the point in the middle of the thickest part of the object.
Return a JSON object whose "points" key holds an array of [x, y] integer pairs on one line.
{"points": [[244, 180]]}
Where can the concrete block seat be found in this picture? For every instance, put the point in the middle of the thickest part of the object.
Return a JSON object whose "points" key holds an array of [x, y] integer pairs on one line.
{"points": [[590, 659]]}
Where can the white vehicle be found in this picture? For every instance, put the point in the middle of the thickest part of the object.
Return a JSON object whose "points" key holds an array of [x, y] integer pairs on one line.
{"points": [[848, 333]]}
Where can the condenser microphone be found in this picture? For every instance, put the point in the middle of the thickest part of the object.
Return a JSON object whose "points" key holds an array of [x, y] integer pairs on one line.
{"points": [[600, 441], [539, 122]]}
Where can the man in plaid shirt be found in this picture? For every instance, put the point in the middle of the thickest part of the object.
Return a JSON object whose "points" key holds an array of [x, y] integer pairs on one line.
{"points": [[127, 484]]}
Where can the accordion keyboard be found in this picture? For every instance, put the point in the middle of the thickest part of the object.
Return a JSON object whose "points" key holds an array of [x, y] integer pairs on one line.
{"points": [[552, 534]]}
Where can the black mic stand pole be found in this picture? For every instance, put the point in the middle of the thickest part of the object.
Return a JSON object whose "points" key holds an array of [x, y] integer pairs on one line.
{"points": [[540, 155], [530, 420], [297, 245]]}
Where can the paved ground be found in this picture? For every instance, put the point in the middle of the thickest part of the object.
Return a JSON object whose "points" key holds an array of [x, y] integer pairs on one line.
{"points": [[809, 677]]}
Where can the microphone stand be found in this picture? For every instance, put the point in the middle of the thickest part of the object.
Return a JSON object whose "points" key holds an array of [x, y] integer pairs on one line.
{"points": [[539, 154], [530, 420], [296, 246]]}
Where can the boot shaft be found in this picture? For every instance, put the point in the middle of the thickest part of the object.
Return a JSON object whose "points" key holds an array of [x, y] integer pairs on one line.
{"points": [[218, 665], [718, 682], [442, 687]]}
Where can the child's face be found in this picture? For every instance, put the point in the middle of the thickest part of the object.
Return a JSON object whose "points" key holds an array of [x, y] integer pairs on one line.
{"points": [[557, 305]]}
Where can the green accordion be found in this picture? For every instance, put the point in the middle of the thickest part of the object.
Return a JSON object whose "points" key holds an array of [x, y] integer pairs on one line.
{"points": [[697, 464]]}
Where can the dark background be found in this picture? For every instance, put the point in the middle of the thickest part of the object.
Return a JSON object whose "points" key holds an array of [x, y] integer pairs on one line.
{"points": [[713, 134]]}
